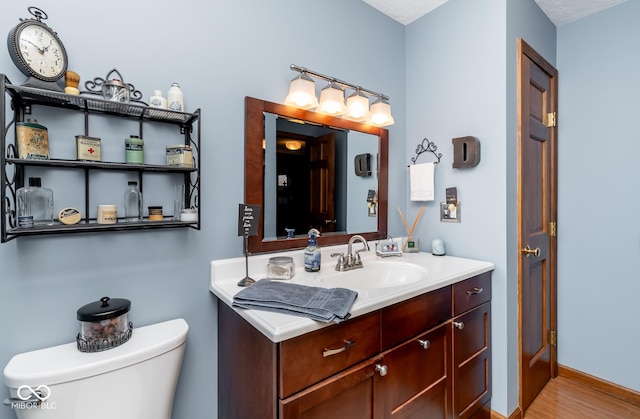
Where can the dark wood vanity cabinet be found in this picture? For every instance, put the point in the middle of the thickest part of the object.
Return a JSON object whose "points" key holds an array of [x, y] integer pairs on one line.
{"points": [[411, 359], [471, 327]]}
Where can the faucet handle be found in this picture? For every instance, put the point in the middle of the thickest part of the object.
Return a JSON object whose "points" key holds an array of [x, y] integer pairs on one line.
{"points": [[357, 262], [341, 265]]}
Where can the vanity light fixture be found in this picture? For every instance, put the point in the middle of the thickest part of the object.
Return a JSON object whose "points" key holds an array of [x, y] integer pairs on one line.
{"points": [[357, 107], [380, 113], [302, 92], [331, 100], [302, 95]]}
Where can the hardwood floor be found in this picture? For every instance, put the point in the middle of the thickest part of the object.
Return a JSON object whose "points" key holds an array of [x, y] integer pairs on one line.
{"points": [[563, 398]]}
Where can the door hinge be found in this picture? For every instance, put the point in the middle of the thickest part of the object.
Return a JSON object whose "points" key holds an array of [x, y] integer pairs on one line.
{"points": [[552, 119], [552, 229], [553, 338]]}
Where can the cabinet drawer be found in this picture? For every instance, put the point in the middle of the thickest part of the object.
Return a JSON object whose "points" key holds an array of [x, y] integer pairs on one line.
{"points": [[416, 382], [471, 293], [408, 318], [309, 358], [472, 360]]}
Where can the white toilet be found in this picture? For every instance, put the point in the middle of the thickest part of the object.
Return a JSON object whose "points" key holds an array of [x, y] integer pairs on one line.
{"points": [[136, 380]]}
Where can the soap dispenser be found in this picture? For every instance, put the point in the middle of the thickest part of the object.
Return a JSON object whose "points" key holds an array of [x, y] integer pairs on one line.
{"points": [[312, 252]]}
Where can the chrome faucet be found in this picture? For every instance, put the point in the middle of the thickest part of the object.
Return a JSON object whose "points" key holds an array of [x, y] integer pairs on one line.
{"points": [[352, 260]]}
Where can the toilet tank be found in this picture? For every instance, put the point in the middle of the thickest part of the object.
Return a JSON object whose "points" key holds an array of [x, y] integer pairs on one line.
{"points": [[136, 380]]}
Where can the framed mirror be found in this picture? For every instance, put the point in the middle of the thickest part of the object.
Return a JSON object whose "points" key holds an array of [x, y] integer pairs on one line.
{"points": [[309, 170]]}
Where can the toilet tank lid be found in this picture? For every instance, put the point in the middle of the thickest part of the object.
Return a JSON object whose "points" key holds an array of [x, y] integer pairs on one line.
{"points": [[64, 363]]}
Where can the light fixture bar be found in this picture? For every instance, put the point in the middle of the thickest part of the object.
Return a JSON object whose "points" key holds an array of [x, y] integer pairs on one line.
{"points": [[338, 81]]}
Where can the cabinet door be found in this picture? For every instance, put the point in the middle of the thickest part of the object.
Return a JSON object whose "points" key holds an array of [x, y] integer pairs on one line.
{"points": [[417, 383], [348, 394], [472, 361]]}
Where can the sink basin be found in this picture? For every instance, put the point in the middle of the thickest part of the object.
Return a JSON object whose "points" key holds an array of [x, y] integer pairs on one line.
{"points": [[378, 274]]}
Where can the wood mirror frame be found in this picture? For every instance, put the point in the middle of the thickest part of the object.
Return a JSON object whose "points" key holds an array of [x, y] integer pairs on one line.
{"points": [[254, 171]]}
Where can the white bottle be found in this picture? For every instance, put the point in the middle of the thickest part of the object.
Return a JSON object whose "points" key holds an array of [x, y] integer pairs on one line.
{"points": [[133, 202], [157, 100], [175, 98]]}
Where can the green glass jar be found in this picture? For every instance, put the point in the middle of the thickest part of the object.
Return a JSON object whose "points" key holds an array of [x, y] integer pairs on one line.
{"points": [[134, 150]]}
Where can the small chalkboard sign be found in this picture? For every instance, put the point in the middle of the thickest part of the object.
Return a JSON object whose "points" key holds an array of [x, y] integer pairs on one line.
{"points": [[248, 219]]}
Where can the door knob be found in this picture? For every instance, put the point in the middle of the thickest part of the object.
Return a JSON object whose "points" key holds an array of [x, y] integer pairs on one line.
{"points": [[528, 251]]}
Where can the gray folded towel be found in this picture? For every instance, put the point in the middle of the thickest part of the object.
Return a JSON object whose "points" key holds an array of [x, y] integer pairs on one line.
{"points": [[322, 304]]}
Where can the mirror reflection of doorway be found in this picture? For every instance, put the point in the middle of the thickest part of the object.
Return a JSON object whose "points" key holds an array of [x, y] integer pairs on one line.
{"points": [[305, 167]]}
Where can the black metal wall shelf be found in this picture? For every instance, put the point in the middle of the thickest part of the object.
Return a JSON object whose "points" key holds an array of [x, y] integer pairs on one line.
{"points": [[76, 164], [12, 169], [31, 95], [92, 226]]}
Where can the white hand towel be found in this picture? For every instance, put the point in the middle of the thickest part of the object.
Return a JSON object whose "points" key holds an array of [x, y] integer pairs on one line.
{"points": [[421, 181]]}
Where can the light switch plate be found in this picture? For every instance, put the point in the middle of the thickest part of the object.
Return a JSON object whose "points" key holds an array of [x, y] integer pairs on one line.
{"points": [[450, 212]]}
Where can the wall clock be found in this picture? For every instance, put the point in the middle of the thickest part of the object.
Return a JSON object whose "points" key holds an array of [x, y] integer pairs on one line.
{"points": [[38, 52]]}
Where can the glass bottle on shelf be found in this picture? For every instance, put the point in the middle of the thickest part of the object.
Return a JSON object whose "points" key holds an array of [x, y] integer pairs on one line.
{"points": [[35, 204], [132, 203]]}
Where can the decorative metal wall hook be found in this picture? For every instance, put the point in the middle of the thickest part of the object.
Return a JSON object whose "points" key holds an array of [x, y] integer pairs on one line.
{"points": [[422, 148], [114, 89]]}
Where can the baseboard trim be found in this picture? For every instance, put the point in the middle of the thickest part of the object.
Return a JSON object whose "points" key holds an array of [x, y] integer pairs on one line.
{"points": [[613, 390], [516, 414]]}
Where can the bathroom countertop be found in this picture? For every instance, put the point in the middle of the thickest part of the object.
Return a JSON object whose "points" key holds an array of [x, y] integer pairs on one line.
{"points": [[442, 271]]}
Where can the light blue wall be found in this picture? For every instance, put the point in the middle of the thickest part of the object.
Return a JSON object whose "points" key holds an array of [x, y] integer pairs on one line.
{"points": [[598, 229], [220, 52], [461, 80], [456, 64]]}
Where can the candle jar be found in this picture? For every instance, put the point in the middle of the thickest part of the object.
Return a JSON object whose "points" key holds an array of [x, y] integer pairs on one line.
{"points": [[155, 213], [281, 267], [107, 214], [104, 324]]}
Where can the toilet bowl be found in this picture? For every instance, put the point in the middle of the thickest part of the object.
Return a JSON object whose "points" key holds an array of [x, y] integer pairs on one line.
{"points": [[136, 380]]}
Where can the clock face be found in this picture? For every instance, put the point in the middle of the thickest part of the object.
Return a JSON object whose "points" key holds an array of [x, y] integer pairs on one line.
{"points": [[39, 51]]}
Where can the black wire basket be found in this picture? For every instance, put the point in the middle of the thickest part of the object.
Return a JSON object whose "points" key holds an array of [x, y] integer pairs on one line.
{"points": [[105, 342]]}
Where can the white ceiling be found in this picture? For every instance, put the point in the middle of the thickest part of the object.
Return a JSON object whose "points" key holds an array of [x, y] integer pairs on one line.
{"points": [[558, 11]]}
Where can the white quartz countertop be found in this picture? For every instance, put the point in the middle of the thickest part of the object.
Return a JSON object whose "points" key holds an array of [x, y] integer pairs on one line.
{"points": [[442, 271]]}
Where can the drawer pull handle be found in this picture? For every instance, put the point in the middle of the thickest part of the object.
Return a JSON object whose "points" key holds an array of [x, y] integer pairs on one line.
{"points": [[459, 325], [382, 370], [347, 344], [424, 343], [474, 291]]}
